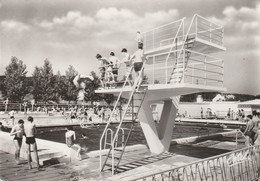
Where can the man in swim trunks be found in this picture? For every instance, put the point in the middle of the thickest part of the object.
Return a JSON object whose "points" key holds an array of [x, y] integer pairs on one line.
{"points": [[139, 59], [30, 132], [18, 132]]}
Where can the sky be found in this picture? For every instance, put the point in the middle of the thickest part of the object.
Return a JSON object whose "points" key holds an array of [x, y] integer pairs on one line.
{"points": [[68, 32]]}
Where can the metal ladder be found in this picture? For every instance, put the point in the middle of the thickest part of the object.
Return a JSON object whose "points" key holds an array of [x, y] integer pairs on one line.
{"points": [[182, 57], [117, 147], [182, 61]]}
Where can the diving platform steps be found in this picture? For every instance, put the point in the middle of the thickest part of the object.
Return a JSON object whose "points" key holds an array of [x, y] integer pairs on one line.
{"points": [[117, 141], [182, 61]]}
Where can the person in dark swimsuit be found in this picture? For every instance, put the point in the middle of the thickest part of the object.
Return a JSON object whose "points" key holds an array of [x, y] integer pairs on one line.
{"points": [[18, 132], [30, 132]]}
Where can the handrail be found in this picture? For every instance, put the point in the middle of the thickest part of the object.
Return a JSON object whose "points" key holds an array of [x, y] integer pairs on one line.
{"points": [[182, 48], [135, 87], [175, 38], [111, 133], [232, 158], [108, 123], [204, 78], [162, 26], [208, 20]]}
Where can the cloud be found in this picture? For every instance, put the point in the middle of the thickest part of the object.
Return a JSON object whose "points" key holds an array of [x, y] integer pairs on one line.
{"points": [[12, 25], [242, 29], [107, 20], [243, 20], [105, 28]]}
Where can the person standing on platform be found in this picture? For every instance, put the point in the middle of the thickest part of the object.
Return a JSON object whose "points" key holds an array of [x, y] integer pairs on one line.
{"points": [[127, 62], [139, 59], [139, 38], [102, 67], [201, 113], [18, 132], [30, 132], [115, 63]]}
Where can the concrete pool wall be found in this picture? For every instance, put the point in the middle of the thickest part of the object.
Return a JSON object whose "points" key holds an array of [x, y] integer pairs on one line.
{"points": [[49, 150]]}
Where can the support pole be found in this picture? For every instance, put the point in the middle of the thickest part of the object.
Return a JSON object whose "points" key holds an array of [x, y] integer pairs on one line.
{"points": [[158, 140]]}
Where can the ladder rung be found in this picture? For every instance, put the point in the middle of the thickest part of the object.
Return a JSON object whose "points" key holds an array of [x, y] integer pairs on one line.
{"points": [[108, 144], [118, 149], [129, 119], [107, 164], [135, 106], [139, 92], [120, 142], [117, 158], [126, 129]]}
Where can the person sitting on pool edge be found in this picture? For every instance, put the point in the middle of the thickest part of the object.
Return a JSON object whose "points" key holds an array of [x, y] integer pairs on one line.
{"points": [[77, 146]]}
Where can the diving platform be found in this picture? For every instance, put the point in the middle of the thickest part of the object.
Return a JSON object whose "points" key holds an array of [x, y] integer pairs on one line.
{"points": [[159, 92], [177, 62], [200, 45]]}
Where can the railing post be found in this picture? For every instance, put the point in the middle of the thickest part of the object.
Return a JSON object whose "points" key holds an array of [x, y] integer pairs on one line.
{"points": [[196, 27], [222, 41], [183, 64], [210, 34], [153, 68], [183, 30], [166, 71], [222, 73], [205, 68], [192, 73], [153, 39]]}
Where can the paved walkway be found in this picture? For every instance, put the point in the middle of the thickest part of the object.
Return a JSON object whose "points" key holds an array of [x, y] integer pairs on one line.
{"points": [[134, 164], [10, 171]]}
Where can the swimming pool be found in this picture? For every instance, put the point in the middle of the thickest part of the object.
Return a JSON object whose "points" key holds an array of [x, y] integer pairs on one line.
{"points": [[57, 134]]}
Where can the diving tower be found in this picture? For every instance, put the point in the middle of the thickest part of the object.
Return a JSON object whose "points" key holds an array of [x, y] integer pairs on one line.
{"points": [[178, 62]]}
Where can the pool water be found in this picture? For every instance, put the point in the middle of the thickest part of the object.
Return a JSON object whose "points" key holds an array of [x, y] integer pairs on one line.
{"points": [[57, 134]]}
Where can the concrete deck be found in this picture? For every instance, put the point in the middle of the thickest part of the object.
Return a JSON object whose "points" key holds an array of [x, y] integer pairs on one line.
{"points": [[137, 160]]}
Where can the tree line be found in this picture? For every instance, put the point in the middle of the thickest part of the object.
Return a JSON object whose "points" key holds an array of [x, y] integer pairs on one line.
{"points": [[44, 85]]}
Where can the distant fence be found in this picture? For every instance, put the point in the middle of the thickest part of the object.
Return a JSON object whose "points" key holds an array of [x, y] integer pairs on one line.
{"points": [[239, 165], [30, 107]]}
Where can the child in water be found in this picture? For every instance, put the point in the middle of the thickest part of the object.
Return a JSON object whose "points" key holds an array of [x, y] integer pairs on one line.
{"points": [[78, 146]]}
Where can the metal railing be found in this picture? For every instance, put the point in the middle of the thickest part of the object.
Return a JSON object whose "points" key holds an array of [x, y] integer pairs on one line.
{"points": [[200, 27], [201, 69], [209, 31], [163, 35], [239, 165]]}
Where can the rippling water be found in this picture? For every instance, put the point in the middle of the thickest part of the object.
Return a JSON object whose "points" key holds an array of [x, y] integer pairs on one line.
{"points": [[57, 134]]}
